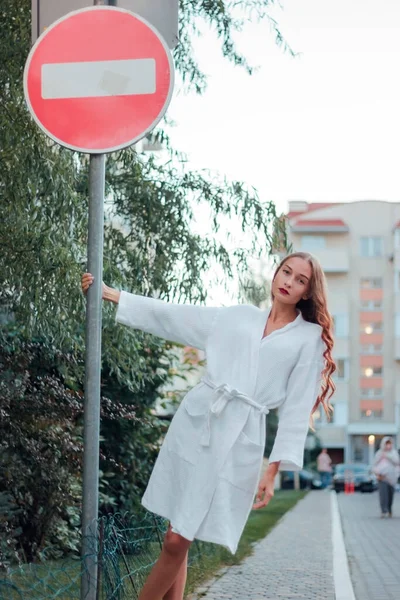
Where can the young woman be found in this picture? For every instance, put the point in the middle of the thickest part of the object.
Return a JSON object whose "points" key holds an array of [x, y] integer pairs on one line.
{"points": [[386, 468], [208, 469]]}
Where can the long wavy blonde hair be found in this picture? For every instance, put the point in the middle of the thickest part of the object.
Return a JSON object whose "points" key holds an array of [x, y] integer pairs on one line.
{"points": [[315, 310]]}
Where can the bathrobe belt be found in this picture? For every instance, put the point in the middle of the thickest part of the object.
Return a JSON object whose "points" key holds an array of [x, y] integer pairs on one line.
{"points": [[224, 393]]}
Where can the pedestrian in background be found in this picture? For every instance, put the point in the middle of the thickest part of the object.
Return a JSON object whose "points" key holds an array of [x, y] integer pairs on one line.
{"points": [[324, 467], [386, 469]]}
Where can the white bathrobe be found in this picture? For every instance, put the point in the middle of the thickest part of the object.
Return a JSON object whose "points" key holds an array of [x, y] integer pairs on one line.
{"points": [[208, 469]]}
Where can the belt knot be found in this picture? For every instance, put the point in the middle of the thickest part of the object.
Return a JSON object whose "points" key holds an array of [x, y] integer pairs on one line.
{"points": [[224, 393]]}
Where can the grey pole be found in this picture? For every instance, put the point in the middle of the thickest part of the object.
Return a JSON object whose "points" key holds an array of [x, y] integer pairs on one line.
{"points": [[92, 379], [91, 434]]}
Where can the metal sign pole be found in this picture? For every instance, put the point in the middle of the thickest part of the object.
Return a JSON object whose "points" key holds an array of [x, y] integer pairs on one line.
{"points": [[64, 43], [92, 377]]}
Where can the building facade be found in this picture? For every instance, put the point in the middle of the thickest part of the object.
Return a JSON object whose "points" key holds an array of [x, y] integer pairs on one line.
{"points": [[358, 245]]}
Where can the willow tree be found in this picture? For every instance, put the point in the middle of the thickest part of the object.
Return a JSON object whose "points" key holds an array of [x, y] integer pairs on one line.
{"points": [[150, 246], [43, 195]]}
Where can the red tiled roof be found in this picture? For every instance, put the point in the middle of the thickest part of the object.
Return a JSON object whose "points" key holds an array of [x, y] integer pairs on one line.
{"points": [[310, 208], [320, 223]]}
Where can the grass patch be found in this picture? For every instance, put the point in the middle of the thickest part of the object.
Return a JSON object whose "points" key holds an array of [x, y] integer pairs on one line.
{"points": [[211, 558]]}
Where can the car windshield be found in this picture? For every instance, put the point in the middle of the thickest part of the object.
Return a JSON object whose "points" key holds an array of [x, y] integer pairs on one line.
{"points": [[354, 468]]}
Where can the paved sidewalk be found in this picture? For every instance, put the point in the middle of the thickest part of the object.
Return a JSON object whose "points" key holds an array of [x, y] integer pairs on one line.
{"points": [[293, 562], [373, 546]]}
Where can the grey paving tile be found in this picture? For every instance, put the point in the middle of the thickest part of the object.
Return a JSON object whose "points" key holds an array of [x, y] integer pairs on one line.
{"points": [[294, 562], [373, 546]]}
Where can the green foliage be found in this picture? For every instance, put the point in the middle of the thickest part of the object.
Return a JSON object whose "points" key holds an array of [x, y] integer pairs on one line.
{"points": [[8, 533], [255, 289], [149, 248], [149, 244], [271, 429], [41, 445], [129, 447], [226, 18]]}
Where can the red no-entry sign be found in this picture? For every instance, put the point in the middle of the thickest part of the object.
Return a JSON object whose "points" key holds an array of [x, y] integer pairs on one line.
{"points": [[99, 79]]}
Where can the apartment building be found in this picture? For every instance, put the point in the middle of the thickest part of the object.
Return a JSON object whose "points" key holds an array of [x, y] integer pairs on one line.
{"points": [[358, 245]]}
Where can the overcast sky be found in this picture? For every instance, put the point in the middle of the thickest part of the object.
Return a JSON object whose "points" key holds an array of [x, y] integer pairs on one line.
{"points": [[321, 127]]}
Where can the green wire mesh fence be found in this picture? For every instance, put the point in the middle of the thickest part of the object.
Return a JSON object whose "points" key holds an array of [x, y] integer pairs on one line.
{"points": [[124, 549]]}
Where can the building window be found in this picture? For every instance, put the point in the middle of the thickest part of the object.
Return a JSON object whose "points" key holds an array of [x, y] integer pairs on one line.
{"points": [[342, 372], [340, 325], [371, 247], [371, 414], [371, 283], [371, 304], [370, 328], [312, 242], [371, 349], [372, 392], [372, 371]]}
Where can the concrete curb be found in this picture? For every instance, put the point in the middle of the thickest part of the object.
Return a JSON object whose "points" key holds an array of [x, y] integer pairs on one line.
{"points": [[341, 574]]}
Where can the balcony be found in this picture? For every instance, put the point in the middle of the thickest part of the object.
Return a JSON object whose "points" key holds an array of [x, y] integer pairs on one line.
{"points": [[303, 225], [376, 428], [333, 261], [332, 436]]}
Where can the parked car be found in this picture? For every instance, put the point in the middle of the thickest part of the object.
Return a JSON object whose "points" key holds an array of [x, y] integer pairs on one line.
{"points": [[360, 473], [308, 480]]}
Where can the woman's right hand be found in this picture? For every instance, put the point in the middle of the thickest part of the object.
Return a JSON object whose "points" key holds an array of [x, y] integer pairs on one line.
{"points": [[107, 293], [86, 282], [265, 491]]}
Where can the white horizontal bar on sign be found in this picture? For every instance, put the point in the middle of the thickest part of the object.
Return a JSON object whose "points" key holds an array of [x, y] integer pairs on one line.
{"points": [[98, 78]]}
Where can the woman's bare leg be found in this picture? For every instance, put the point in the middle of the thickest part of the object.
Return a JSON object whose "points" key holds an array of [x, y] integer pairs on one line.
{"points": [[167, 568], [177, 589]]}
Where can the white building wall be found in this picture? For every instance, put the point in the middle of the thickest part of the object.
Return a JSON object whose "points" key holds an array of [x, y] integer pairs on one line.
{"points": [[364, 219]]}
